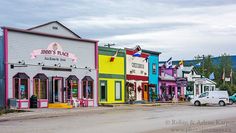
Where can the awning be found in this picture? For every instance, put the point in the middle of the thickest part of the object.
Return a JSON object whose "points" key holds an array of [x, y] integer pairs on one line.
{"points": [[87, 78], [21, 76], [72, 77], [41, 76]]}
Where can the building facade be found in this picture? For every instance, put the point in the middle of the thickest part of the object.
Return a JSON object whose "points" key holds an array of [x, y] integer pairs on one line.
{"points": [[51, 62], [168, 89], [153, 72], [111, 75], [136, 76]]}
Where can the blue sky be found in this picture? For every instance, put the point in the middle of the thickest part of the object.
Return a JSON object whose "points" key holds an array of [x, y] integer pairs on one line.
{"points": [[178, 28]]}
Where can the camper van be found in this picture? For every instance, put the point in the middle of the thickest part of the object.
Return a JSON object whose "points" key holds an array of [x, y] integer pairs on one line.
{"points": [[212, 97]]}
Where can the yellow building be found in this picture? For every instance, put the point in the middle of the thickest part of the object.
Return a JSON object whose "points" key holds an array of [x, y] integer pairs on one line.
{"points": [[111, 75]]}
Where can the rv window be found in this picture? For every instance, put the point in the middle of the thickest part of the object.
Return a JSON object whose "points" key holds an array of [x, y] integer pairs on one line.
{"points": [[203, 95]]}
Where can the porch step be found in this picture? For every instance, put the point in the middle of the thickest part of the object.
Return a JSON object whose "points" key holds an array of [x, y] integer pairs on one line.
{"points": [[60, 106]]}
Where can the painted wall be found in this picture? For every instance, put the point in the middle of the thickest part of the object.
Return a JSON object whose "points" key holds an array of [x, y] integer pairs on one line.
{"points": [[21, 49], [2, 88], [111, 72], [136, 71], [50, 29]]}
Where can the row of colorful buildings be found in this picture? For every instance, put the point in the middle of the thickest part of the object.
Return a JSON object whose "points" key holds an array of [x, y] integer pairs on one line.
{"points": [[53, 63]]}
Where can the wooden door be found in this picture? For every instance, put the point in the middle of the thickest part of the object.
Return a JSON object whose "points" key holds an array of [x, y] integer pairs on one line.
{"points": [[145, 92]]}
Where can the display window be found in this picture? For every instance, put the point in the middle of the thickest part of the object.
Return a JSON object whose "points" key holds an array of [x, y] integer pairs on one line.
{"points": [[72, 87], [41, 86], [87, 87], [21, 86]]}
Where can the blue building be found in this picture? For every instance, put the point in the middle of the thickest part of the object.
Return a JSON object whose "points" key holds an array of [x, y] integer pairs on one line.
{"points": [[153, 64]]}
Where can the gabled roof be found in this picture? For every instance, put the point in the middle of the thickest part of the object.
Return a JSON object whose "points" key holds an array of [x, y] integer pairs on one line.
{"points": [[42, 25], [151, 52], [21, 76]]}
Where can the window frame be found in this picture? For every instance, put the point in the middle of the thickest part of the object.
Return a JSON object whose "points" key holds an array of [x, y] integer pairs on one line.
{"points": [[154, 72], [120, 90], [100, 93], [19, 84], [39, 86]]}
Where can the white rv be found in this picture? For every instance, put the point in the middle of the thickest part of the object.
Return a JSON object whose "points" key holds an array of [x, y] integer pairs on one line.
{"points": [[211, 97]]}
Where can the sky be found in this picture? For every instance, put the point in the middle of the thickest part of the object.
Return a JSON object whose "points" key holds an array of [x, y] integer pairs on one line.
{"points": [[180, 29]]}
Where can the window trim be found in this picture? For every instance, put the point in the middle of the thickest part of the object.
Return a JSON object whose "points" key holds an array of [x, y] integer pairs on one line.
{"points": [[39, 86], [19, 83], [120, 90], [155, 68], [100, 93]]}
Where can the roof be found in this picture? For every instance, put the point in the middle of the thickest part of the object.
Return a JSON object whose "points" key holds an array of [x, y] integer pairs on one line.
{"points": [[57, 23], [110, 49], [72, 77], [41, 76], [87, 78], [21, 76], [46, 34], [151, 52], [205, 79]]}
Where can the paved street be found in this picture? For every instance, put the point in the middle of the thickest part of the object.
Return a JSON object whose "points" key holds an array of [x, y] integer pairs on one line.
{"points": [[124, 119]]}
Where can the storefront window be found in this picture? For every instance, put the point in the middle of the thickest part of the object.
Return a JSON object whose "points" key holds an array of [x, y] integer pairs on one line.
{"points": [[36, 87], [21, 86], [17, 88], [43, 89], [90, 89], [87, 87], [40, 86], [24, 89], [84, 89], [72, 90], [118, 90]]}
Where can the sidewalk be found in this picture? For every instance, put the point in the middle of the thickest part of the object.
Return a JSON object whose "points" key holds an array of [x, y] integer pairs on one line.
{"points": [[49, 113]]}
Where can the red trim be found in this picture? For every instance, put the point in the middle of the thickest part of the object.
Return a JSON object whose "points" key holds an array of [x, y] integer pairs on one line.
{"points": [[5, 32], [131, 52], [135, 77], [50, 35]]}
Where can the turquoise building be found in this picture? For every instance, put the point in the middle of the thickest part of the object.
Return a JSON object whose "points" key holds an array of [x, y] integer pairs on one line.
{"points": [[153, 64]]}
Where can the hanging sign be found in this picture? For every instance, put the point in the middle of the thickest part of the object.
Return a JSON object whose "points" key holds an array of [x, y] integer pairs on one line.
{"points": [[53, 49]]}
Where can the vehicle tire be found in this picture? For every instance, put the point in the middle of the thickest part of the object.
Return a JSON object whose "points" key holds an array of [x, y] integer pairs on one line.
{"points": [[221, 103], [231, 102], [197, 103]]}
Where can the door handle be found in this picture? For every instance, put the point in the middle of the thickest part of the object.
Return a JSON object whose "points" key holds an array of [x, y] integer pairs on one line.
{"points": [[207, 97]]}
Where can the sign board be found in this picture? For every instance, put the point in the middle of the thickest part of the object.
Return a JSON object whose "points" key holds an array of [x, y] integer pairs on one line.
{"points": [[53, 49]]}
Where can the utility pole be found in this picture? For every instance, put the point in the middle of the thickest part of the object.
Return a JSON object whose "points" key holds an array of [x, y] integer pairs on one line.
{"points": [[109, 45]]}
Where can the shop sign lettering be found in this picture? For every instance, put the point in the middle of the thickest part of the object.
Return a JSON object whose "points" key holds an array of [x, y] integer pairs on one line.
{"points": [[54, 49], [137, 65]]}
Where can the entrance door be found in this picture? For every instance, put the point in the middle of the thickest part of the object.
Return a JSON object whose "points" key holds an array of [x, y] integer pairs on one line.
{"points": [[57, 87], [145, 92]]}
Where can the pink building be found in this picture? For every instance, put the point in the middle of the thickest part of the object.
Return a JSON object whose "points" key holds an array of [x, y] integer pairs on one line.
{"points": [[168, 88]]}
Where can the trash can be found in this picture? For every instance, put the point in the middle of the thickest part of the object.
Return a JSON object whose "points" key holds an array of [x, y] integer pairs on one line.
{"points": [[33, 101]]}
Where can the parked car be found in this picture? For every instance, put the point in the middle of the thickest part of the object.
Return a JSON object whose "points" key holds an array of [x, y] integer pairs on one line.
{"points": [[212, 97], [232, 99]]}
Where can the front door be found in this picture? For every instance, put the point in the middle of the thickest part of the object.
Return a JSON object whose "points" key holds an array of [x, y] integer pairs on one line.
{"points": [[57, 87], [145, 92]]}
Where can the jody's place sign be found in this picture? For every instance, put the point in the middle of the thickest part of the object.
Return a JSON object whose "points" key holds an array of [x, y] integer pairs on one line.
{"points": [[54, 49]]}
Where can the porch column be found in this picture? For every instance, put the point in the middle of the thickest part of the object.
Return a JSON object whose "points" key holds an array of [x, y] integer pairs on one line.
{"points": [[176, 91], [167, 90], [159, 90], [182, 91]]}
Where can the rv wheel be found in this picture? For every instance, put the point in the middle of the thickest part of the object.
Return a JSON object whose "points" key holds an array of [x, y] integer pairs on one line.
{"points": [[197, 103], [222, 103]]}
